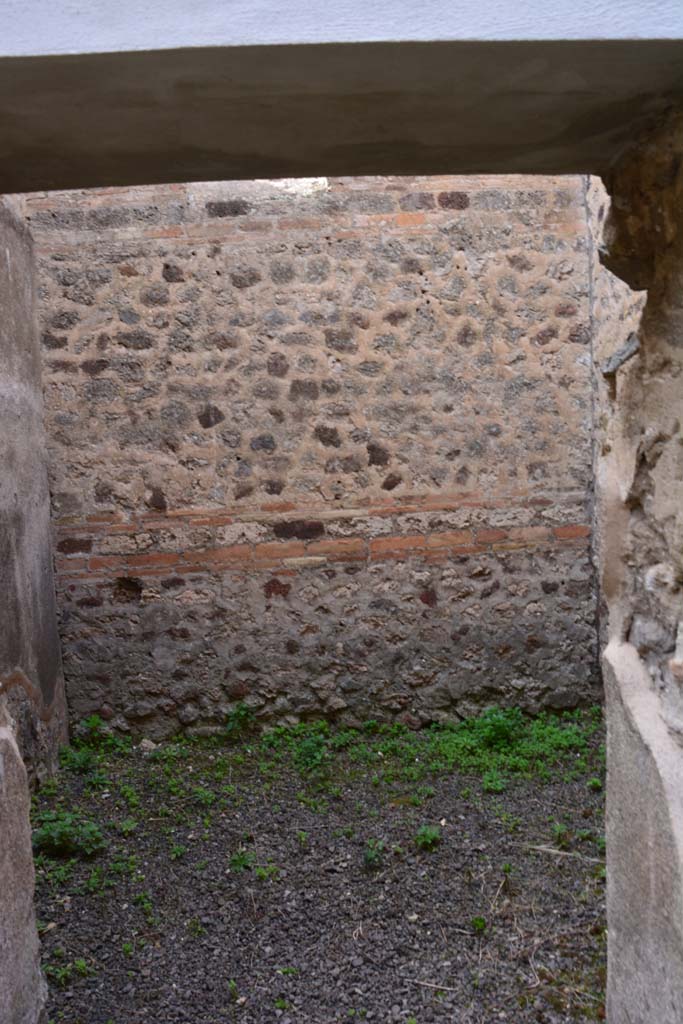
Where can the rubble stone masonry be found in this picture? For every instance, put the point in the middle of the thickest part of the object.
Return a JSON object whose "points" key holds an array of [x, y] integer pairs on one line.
{"points": [[323, 447]]}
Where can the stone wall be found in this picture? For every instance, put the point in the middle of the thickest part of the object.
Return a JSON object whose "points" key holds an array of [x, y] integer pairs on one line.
{"points": [[31, 682], [32, 710], [320, 447], [616, 313], [641, 545]]}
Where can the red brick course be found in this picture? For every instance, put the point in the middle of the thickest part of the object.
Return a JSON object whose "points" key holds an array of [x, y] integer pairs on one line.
{"points": [[435, 547]]}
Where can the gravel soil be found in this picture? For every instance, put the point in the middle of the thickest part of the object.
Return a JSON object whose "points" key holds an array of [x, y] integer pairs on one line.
{"points": [[237, 887]]}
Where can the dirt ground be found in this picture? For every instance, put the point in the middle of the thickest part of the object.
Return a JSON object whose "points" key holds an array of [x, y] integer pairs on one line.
{"points": [[324, 877]]}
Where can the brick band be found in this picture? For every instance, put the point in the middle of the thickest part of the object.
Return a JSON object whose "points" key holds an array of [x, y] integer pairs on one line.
{"points": [[82, 564]]}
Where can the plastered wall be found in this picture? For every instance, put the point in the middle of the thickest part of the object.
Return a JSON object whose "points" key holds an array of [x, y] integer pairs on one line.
{"points": [[32, 712], [31, 683]]}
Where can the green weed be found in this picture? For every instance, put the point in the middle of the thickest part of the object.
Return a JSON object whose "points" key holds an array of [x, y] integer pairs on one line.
{"points": [[242, 860], [130, 795], [239, 721], [428, 837], [93, 734], [204, 796], [266, 872], [373, 854], [62, 833], [127, 826], [80, 760]]}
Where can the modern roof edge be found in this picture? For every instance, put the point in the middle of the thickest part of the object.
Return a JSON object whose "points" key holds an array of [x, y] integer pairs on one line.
{"points": [[36, 28]]}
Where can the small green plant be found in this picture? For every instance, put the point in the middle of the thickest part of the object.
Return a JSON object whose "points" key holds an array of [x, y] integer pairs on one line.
{"points": [[242, 860], [510, 822], [177, 851], [98, 880], [239, 721], [144, 901], [288, 971], [311, 752], [48, 789], [302, 838], [127, 826], [373, 855], [233, 993], [130, 795], [205, 797], [55, 874], [62, 974], [493, 782], [125, 865], [97, 779], [281, 1004], [92, 732], [428, 837], [59, 974], [195, 927], [61, 833], [79, 760], [266, 872], [174, 786], [316, 804], [347, 831], [478, 925], [421, 794], [127, 949], [561, 835], [81, 968], [221, 768], [595, 784]]}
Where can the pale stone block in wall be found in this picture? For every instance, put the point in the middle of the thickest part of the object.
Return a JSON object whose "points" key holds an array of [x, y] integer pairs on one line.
{"points": [[22, 988], [645, 846]]}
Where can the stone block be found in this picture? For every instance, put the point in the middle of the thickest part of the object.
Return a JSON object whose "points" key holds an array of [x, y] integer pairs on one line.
{"points": [[22, 988], [645, 849]]}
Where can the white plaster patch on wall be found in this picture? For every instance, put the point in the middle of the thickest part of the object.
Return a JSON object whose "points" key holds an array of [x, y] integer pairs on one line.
{"points": [[296, 186], [260, 188]]}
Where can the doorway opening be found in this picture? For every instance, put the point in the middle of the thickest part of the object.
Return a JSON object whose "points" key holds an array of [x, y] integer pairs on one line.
{"points": [[321, 464]]}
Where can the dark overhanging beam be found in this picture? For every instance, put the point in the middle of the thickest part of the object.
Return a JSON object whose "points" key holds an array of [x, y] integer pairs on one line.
{"points": [[82, 120]]}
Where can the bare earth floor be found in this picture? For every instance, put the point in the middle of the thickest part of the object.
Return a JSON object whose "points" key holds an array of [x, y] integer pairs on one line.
{"points": [[327, 877]]}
